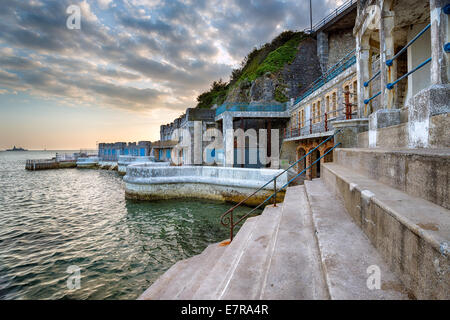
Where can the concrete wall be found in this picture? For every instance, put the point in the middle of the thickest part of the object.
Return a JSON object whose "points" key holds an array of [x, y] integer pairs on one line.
{"points": [[125, 161], [229, 184], [418, 53], [339, 44]]}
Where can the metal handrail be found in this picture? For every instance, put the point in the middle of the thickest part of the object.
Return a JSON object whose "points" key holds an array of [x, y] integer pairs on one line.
{"points": [[366, 84], [327, 76], [390, 86], [390, 62], [371, 98], [227, 218], [331, 16]]}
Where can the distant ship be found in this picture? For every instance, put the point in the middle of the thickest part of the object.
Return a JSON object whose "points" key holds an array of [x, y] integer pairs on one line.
{"points": [[17, 149]]}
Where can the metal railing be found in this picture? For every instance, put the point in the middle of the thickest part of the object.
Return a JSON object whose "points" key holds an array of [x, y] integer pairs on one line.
{"points": [[390, 63], [346, 62], [247, 107], [227, 219], [330, 16], [318, 124]]}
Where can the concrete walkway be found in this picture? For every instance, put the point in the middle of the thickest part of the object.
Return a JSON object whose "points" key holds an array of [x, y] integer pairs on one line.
{"points": [[305, 248]]}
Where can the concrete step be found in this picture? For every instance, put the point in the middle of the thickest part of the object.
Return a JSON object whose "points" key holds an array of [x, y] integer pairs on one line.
{"points": [[219, 274], [410, 233], [209, 258], [295, 272], [194, 269], [345, 251], [246, 277], [153, 292], [423, 173]]}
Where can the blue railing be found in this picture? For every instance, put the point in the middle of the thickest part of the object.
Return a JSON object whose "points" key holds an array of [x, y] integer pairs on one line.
{"points": [[366, 84], [345, 63], [245, 107], [390, 63]]}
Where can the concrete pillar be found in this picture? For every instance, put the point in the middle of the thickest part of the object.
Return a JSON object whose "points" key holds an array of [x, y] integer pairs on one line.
{"points": [[364, 73], [387, 52], [439, 38], [228, 140], [322, 50], [308, 171]]}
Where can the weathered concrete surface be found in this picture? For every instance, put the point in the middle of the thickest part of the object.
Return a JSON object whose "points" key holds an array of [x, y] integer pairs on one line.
{"points": [[181, 190], [144, 182], [276, 256], [424, 105], [410, 233], [397, 136], [350, 130], [247, 278], [295, 271], [87, 163], [345, 251], [222, 270], [107, 165], [125, 161], [183, 278], [423, 173]]}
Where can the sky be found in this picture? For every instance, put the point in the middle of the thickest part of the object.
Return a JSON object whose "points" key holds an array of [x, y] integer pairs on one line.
{"points": [[132, 66]]}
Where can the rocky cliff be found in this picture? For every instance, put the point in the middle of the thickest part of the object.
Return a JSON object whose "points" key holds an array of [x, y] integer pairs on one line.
{"points": [[276, 72]]}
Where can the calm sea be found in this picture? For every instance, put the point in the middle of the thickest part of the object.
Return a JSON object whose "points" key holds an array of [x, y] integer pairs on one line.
{"points": [[52, 220]]}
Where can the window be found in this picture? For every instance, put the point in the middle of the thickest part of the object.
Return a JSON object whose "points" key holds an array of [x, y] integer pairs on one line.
{"points": [[334, 104], [327, 104], [355, 96], [316, 112], [301, 118]]}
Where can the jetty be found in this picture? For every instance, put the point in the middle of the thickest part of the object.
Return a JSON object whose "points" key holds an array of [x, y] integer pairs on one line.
{"points": [[60, 161]]}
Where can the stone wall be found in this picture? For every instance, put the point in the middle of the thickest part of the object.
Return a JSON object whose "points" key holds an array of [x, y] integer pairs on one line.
{"points": [[340, 43]]}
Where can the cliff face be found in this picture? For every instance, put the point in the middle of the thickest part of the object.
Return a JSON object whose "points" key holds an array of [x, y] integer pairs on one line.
{"points": [[283, 84]]}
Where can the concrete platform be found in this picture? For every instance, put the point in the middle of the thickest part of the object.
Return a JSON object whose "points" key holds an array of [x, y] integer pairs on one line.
{"points": [[410, 233], [423, 173], [346, 253]]}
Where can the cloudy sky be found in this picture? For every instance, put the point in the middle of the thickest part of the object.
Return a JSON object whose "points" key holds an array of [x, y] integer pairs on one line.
{"points": [[133, 65]]}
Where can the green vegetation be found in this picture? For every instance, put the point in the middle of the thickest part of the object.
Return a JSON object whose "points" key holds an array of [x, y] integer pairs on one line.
{"points": [[279, 95], [275, 59], [216, 95], [269, 58]]}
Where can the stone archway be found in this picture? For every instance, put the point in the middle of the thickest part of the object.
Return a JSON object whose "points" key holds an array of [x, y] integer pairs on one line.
{"points": [[315, 169], [301, 152], [328, 157]]}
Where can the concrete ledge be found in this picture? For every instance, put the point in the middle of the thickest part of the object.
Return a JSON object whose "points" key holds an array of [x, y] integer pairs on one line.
{"points": [[144, 182], [125, 161], [411, 234], [421, 173], [87, 163]]}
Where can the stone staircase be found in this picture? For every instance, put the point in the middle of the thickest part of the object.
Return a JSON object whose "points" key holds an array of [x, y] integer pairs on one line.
{"points": [[400, 200], [308, 247]]}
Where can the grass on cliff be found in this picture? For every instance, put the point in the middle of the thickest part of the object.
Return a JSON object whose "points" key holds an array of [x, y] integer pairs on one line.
{"points": [[274, 61], [271, 57], [216, 95]]}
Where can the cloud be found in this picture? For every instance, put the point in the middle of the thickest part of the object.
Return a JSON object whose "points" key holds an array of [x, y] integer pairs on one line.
{"points": [[136, 55]]}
